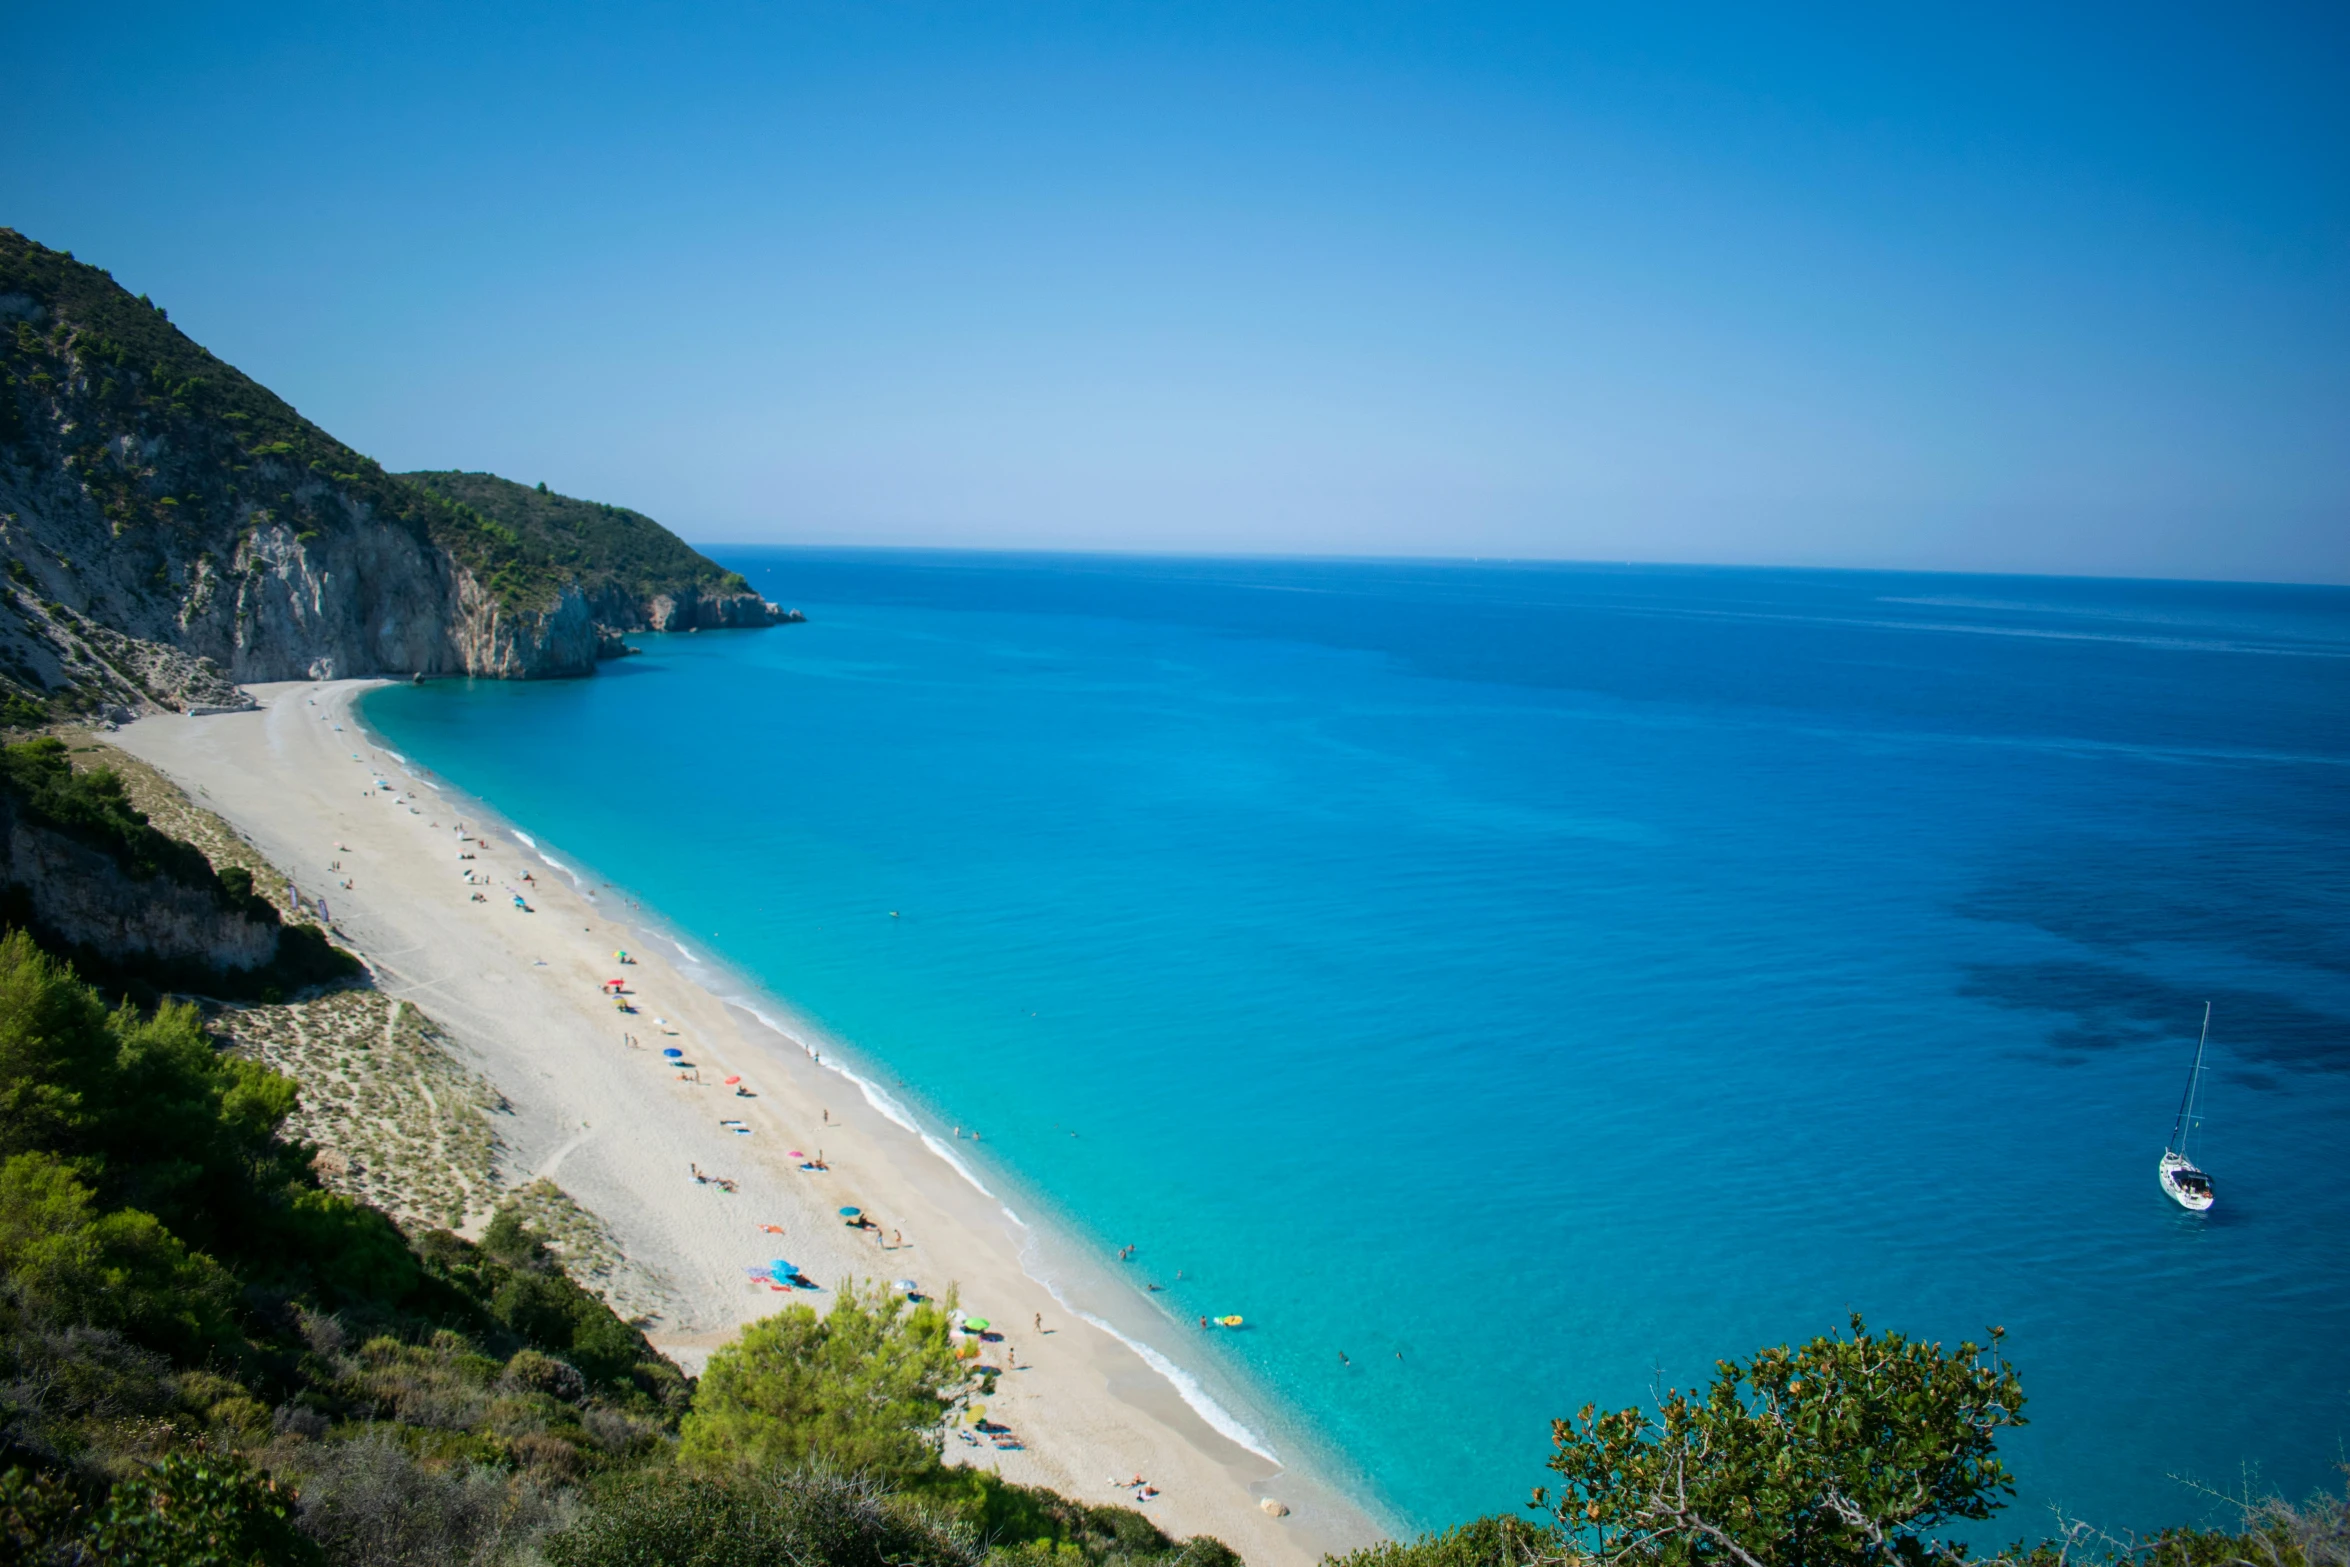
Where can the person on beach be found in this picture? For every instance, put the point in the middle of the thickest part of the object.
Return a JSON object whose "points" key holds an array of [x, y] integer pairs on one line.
{"points": [[1040, 1322], [896, 1240]]}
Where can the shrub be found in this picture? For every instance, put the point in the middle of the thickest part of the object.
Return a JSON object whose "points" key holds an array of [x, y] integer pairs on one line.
{"points": [[372, 1503], [198, 1509], [865, 1387], [531, 1372], [1028, 1526], [742, 1520], [1497, 1540]]}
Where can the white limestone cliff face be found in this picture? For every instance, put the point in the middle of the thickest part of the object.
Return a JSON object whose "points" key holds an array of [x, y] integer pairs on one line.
{"points": [[712, 612], [169, 529], [147, 624]]}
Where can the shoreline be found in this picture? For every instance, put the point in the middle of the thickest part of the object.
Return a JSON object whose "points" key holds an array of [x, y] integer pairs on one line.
{"points": [[739, 991], [1091, 1401]]}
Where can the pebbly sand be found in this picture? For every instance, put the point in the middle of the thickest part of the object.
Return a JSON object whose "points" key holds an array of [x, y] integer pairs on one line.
{"points": [[620, 1131]]}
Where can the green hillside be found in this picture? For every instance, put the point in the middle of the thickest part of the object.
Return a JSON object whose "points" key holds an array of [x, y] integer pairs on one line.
{"points": [[606, 549], [80, 346]]}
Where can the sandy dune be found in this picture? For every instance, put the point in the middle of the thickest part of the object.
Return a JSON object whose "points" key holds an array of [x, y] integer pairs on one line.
{"points": [[620, 1130]]}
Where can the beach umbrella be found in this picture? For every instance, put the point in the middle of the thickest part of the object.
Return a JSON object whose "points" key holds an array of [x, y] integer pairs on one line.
{"points": [[976, 1324], [907, 1285], [850, 1213], [781, 1269], [732, 1080], [673, 1053]]}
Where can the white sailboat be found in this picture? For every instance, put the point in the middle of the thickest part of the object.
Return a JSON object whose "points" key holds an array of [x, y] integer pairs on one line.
{"points": [[2187, 1186]]}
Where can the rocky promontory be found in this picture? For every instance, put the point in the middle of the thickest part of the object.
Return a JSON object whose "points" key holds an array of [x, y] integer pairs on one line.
{"points": [[170, 528]]}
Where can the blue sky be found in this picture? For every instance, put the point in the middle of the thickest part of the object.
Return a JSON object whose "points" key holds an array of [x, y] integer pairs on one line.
{"points": [[2023, 288]]}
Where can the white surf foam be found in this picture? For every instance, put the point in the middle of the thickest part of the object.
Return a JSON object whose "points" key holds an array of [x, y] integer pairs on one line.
{"points": [[576, 879], [1187, 1387], [883, 1102], [525, 837]]}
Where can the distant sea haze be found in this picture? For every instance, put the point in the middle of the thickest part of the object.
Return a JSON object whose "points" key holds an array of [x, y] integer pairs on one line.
{"points": [[1536, 982]]}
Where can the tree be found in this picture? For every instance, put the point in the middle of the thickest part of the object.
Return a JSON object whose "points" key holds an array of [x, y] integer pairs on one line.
{"points": [[1843, 1451], [864, 1388]]}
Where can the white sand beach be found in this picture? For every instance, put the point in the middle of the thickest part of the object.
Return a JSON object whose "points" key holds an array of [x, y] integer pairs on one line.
{"points": [[622, 1130]]}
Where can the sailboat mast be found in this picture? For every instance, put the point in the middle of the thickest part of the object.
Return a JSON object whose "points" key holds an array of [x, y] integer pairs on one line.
{"points": [[2186, 1120]]}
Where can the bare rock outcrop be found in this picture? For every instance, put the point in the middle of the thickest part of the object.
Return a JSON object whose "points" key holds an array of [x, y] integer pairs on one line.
{"points": [[81, 897]]}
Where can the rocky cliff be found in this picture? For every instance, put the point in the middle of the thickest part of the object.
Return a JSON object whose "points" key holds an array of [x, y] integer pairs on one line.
{"points": [[85, 871], [169, 527], [80, 899], [635, 574]]}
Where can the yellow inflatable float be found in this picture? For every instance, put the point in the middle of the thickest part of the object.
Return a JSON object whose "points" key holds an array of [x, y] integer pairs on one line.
{"points": [[1230, 1322]]}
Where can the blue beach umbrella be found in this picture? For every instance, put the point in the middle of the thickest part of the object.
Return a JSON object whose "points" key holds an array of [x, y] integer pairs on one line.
{"points": [[850, 1213], [673, 1053], [781, 1269]]}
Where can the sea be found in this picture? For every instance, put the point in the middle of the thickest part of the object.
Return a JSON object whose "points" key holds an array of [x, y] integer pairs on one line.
{"points": [[1513, 987]]}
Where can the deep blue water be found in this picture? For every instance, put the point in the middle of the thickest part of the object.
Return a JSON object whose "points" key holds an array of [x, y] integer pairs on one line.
{"points": [[1563, 976]]}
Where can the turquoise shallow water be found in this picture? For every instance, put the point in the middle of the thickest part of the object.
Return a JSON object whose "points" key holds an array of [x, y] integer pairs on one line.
{"points": [[1535, 982]]}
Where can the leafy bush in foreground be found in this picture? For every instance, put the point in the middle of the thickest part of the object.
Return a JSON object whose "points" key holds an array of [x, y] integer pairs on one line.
{"points": [[865, 1388], [1844, 1451]]}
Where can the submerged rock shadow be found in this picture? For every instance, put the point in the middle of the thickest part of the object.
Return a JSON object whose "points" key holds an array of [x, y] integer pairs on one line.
{"points": [[2115, 1008]]}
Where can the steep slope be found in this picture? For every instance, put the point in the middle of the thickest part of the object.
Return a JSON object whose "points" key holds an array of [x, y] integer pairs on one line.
{"points": [[636, 574], [168, 526]]}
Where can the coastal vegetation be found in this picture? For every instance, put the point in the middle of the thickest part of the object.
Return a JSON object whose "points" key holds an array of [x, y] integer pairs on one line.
{"points": [[606, 549], [862, 1388], [1857, 1451]]}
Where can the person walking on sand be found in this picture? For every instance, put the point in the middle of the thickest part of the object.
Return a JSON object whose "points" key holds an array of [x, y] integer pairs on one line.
{"points": [[1040, 1322]]}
